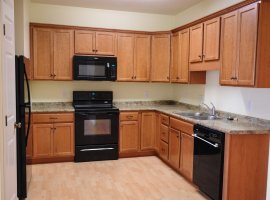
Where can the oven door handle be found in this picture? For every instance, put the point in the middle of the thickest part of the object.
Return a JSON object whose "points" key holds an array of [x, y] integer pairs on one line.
{"points": [[214, 145], [97, 149], [96, 113]]}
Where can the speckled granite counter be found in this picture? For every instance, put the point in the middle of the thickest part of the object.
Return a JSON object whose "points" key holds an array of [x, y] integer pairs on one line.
{"points": [[52, 107], [244, 124]]}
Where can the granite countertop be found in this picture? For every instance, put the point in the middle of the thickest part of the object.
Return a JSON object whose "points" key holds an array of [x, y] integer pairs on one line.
{"points": [[244, 124], [52, 107]]}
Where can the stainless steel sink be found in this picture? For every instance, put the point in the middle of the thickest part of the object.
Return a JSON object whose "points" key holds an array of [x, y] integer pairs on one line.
{"points": [[197, 115]]}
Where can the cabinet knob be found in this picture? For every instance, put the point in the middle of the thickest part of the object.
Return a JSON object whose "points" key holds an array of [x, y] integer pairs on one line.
{"points": [[234, 78], [200, 56], [177, 77], [168, 77], [135, 77]]}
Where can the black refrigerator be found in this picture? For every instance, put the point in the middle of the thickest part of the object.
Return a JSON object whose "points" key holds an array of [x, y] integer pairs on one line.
{"points": [[23, 114]]}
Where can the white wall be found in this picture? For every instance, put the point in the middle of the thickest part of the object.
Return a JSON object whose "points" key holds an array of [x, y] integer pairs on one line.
{"points": [[51, 91], [77, 16], [22, 27], [202, 9]]}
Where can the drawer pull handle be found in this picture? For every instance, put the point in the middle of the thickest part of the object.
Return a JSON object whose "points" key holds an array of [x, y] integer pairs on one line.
{"points": [[53, 118], [129, 117]]}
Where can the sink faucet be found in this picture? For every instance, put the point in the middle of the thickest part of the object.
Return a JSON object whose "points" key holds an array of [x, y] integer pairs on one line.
{"points": [[212, 110]]}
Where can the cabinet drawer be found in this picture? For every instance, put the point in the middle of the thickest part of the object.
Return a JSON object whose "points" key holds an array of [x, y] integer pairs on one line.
{"points": [[164, 133], [53, 117], [164, 119], [163, 150], [129, 116], [182, 126]]}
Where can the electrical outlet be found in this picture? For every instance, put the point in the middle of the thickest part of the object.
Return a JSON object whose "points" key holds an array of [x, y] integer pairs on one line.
{"points": [[146, 94], [249, 105]]}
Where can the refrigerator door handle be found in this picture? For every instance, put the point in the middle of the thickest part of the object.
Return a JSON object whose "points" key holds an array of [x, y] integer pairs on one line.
{"points": [[28, 105]]}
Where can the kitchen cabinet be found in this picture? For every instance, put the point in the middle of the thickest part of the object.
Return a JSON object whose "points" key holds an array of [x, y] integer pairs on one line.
{"points": [[238, 46], [187, 152], [182, 146], [137, 135], [129, 136], [164, 122], [95, 42], [129, 132], [53, 137], [174, 148], [180, 61], [252, 159], [52, 52], [148, 129], [133, 54], [142, 57], [205, 46], [125, 57], [160, 58]]}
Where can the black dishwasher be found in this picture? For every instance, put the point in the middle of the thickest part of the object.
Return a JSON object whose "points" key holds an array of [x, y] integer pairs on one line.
{"points": [[208, 161]]}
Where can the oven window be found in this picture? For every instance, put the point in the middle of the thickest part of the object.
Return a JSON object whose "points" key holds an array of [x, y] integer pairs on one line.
{"points": [[92, 70], [97, 127]]}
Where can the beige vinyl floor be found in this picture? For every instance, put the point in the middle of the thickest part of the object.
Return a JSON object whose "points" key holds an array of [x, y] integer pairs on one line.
{"points": [[144, 178]]}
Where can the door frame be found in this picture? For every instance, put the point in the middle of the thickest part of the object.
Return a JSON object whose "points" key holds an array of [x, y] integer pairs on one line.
{"points": [[1, 116]]}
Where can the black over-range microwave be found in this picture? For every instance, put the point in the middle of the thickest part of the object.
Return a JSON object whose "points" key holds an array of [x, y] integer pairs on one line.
{"points": [[94, 68]]}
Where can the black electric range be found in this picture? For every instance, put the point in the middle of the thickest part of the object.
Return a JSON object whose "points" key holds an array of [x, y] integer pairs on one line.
{"points": [[96, 126]]}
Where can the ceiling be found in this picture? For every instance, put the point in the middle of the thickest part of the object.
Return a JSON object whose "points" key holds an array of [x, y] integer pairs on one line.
{"points": [[168, 7]]}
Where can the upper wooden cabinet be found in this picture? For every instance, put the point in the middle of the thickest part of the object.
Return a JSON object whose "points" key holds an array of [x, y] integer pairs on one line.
{"points": [[180, 61], [91, 42], [52, 52], [196, 43], [205, 46], [160, 69], [125, 57], [133, 56], [238, 46]]}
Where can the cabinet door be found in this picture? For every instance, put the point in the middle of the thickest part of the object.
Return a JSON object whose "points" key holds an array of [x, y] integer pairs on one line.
{"points": [[211, 39], [163, 150], [196, 43], [174, 148], [248, 26], [228, 48], [105, 43], [187, 149], [129, 136], [175, 58], [42, 140], [63, 49], [161, 58], [84, 42], [183, 68], [63, 139], [125, 57], [142, 55], [42, 53], [148, 131]]}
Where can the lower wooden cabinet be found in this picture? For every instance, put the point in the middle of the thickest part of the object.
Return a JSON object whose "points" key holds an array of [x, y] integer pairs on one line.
{"points": [[129, 136], [163, 150], [174, 148], [52, 140], [186, 155], [137, 133], [148, 131]]}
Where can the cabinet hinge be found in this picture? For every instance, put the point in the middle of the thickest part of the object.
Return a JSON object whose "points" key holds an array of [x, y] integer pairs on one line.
{"points": [[6, 120], [4, 29]]}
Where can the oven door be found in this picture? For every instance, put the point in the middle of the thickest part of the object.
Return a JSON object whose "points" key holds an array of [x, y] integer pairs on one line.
{"points": [[91, 70], [93, 128]]}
